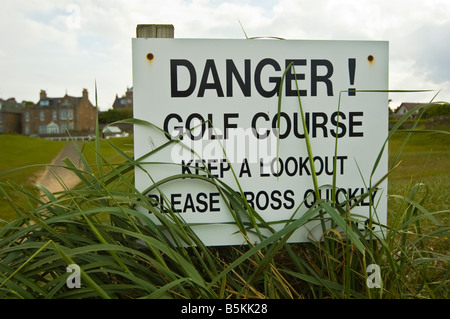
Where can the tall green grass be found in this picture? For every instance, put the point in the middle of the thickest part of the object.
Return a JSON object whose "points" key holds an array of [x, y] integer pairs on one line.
{"points": [[125, 254]]}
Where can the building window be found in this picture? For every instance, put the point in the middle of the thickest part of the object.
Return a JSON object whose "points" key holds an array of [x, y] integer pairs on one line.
{"points": [[1, 128], [42, 116], [122, 102], [27, 129], [42, 129], [63, 128], [52, 128], [44, 103], [54, 115], [70, 114], [1, 116], [63, 114], [27, 116]]}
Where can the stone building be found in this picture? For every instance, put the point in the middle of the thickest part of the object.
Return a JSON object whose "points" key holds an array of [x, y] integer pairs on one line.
{"points": [[52, 116], [124, 102], [10, 116]]}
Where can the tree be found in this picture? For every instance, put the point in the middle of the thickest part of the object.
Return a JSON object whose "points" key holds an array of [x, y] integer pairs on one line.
{"points": [[436, 110], [113, 115], [28, 103]]}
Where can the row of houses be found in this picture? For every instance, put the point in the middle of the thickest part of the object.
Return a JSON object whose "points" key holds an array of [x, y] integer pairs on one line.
{"points": [[54, 116], [74, 115]]}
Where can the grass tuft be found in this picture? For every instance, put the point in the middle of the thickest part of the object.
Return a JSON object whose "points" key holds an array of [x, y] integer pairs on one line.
{"points": [[122, 253]]}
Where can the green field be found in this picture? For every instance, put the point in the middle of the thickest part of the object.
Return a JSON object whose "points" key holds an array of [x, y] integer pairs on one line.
{"points": [[424, 176], [107, 151], [425, 159], [20, 151], [25, 151]]}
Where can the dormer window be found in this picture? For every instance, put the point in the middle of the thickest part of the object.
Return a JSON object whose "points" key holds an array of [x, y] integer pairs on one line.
{"points": [[44, 103]]}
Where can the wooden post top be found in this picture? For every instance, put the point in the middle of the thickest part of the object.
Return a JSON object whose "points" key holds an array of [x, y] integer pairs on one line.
{"points": [[155, 31]]}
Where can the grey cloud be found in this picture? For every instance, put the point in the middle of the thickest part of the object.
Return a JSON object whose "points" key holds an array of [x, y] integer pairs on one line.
{"points": [[431, 45]]}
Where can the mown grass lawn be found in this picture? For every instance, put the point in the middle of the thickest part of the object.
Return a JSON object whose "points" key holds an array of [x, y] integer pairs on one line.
{"points": [[107, 151], [425, 159], [21, 151]]}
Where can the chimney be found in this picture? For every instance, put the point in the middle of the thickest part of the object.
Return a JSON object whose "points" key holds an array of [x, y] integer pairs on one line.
{"points": [[42, 95], [85, 93], [129, 94]]}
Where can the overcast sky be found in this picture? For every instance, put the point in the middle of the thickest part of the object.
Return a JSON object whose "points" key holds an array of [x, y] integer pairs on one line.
{"points": [[64, 46]]}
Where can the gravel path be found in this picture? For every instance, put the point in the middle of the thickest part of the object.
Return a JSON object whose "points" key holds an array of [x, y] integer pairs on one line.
{"points": [[48, 178]]}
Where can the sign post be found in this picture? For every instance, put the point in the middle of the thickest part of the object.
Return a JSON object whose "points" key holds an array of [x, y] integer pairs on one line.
{"points": [[219, 98]]}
